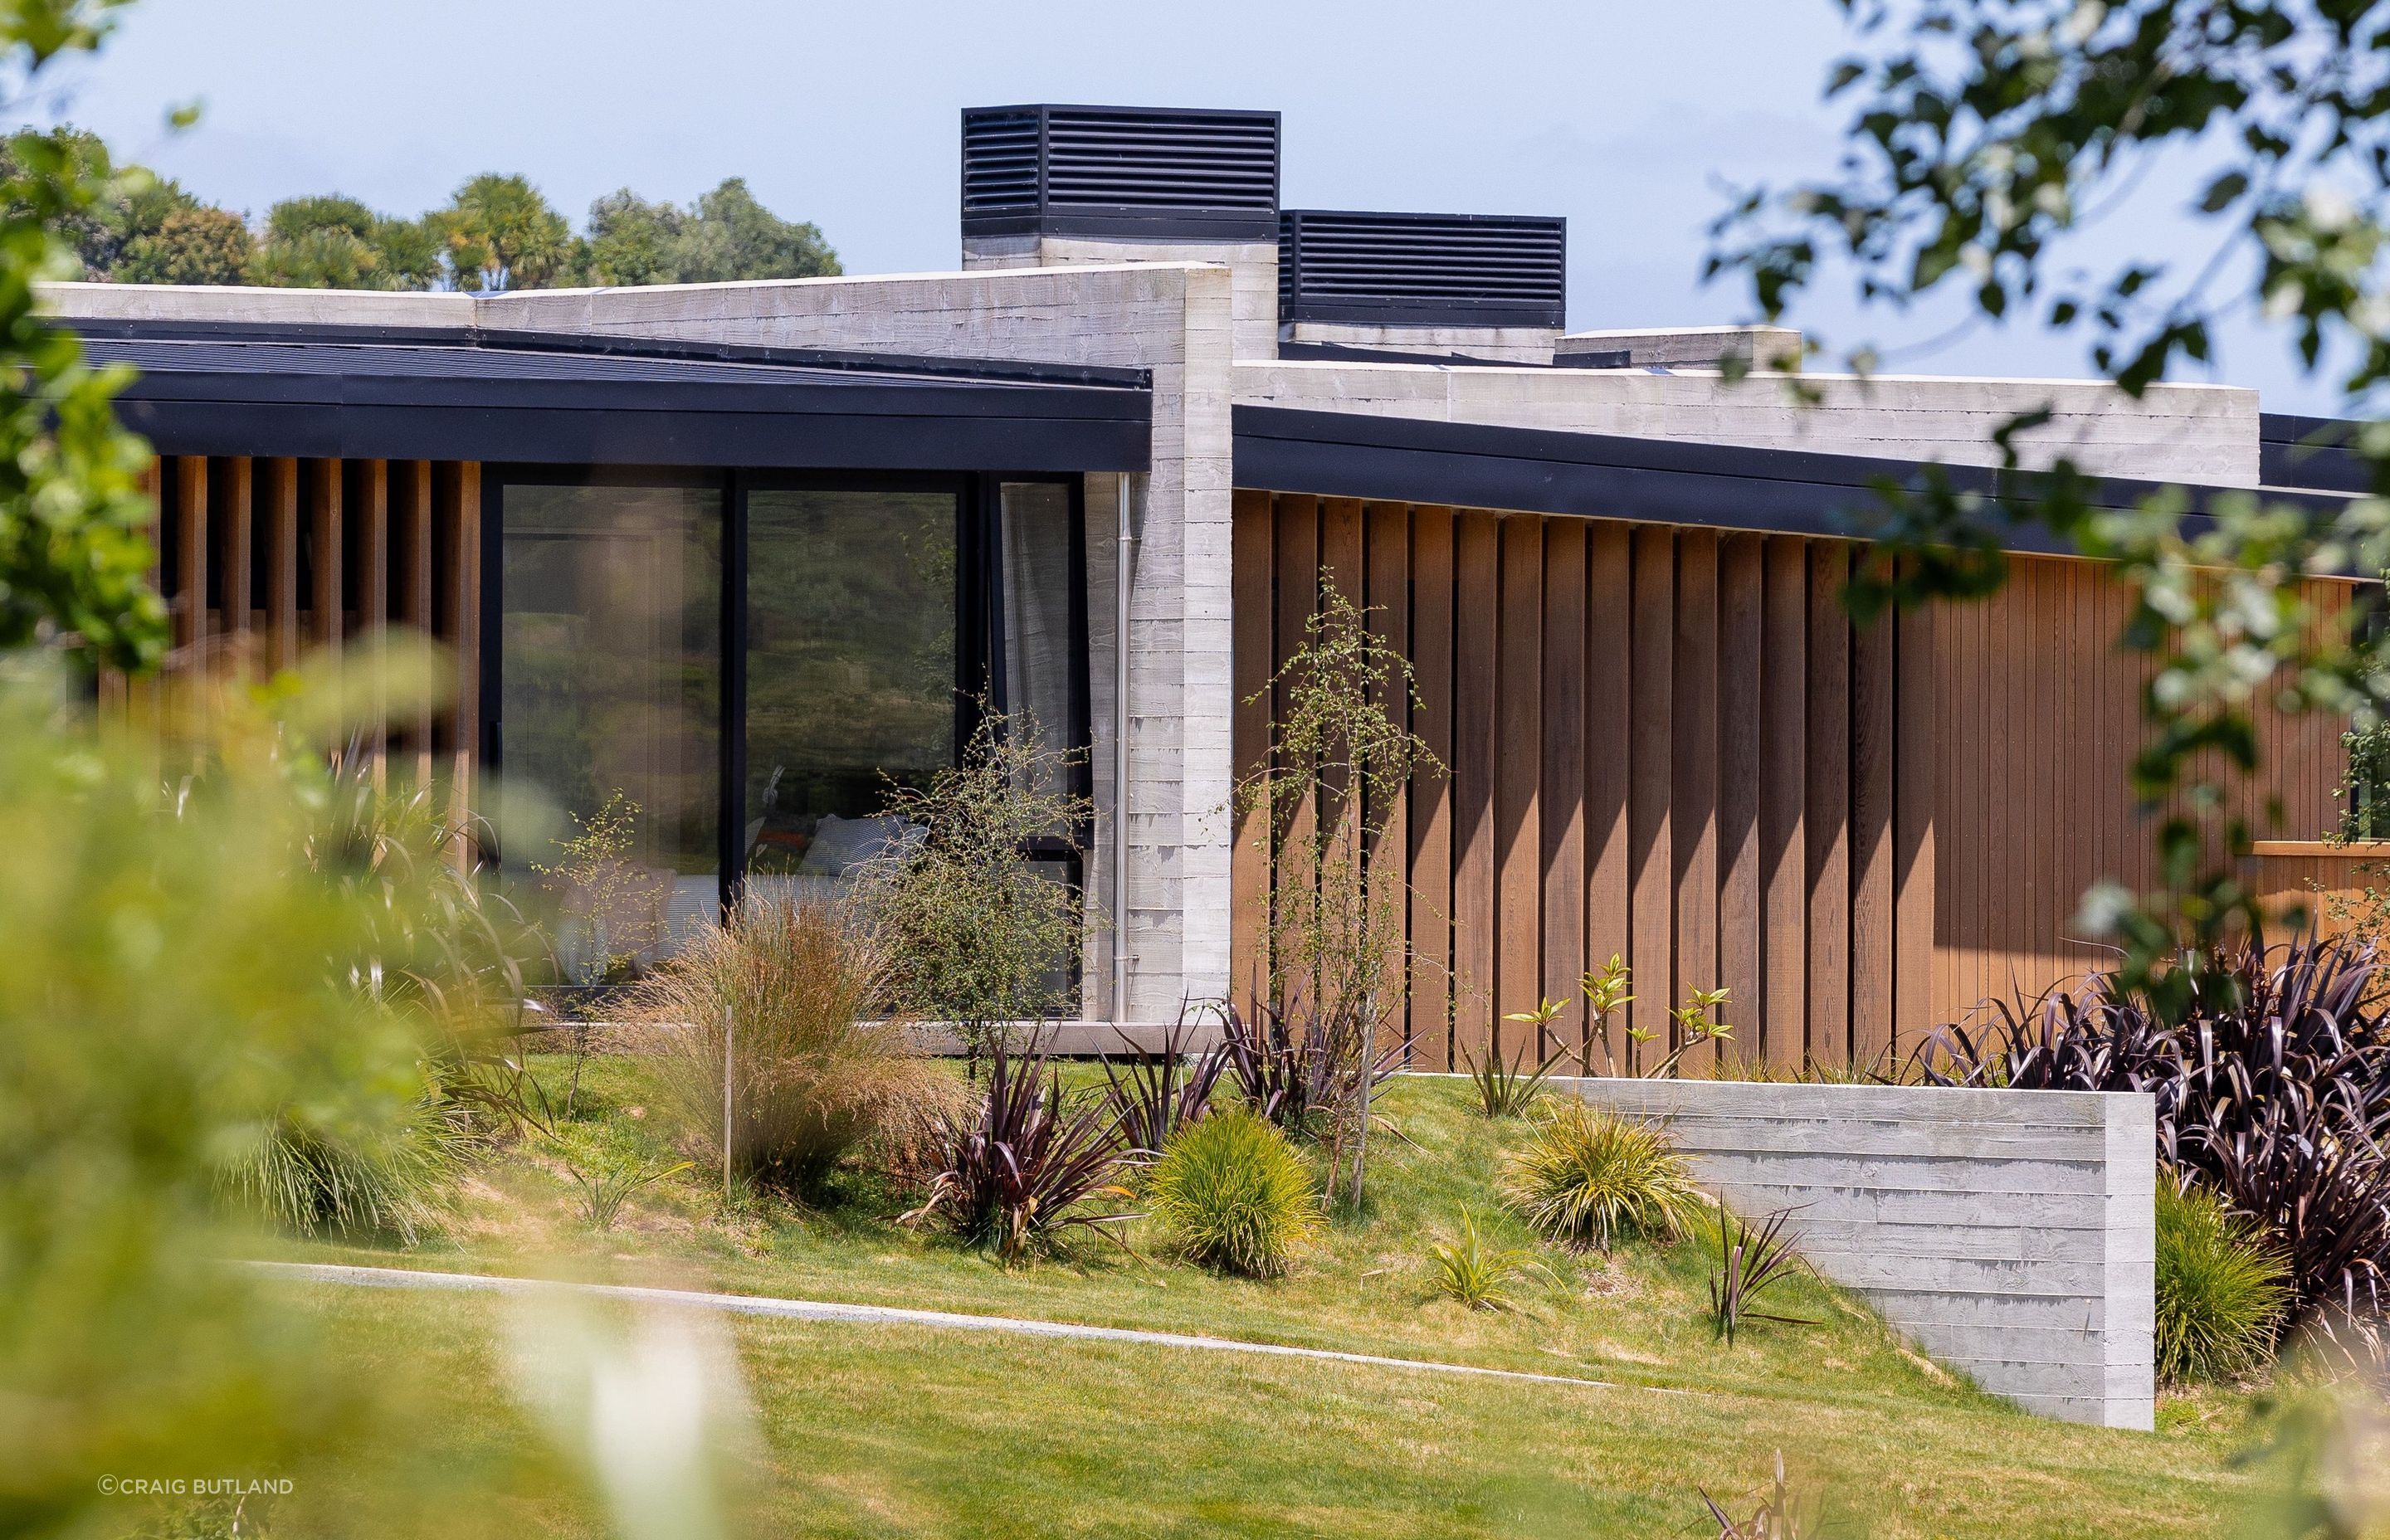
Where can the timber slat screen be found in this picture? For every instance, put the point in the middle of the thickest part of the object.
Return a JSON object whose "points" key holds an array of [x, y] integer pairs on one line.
{"points": [[1672, 744], [262, 560]]}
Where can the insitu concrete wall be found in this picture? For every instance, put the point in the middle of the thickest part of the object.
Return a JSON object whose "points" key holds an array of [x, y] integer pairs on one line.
{"points": [[2202, 434], [1253, 269], [2010, 1234]]}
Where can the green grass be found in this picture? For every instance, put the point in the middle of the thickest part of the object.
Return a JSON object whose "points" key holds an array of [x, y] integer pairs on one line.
{"points": [[2221, 1295], [907, 1432]]}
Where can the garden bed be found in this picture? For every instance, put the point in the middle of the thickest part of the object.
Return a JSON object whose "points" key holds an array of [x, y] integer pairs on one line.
{"points": [[895, 1429]]}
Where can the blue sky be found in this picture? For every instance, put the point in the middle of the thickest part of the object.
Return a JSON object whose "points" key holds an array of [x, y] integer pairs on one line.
{"points": [[1625, 116]]}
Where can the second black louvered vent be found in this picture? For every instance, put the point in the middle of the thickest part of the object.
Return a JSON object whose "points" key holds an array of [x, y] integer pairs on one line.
{"points": [[1155, 173], [1422, 270]]}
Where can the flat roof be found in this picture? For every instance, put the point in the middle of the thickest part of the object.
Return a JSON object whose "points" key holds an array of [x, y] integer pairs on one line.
{"points": [[296, 390], [1607, 476]]}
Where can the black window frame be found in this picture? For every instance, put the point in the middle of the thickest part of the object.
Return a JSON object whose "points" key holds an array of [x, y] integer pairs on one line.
{"points": [[980, 620]]}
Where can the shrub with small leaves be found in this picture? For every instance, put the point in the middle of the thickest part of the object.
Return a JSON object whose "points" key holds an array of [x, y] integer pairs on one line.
{"points": [[1590, 1177], [2222, 1294], [1232, 1194]]}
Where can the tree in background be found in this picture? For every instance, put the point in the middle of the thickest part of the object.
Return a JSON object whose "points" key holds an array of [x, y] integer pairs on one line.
{"points": [[498, 233], [733, 238], [194, 245], [1985, 133], [727, 236], [331, 242], [130, 202], [631, 241]]}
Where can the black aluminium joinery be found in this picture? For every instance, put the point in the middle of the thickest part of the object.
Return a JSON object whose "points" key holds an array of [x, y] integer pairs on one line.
{"points": [[981, 673]]}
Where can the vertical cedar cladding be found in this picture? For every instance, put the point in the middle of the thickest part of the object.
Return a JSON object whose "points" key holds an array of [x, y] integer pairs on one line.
{"points": [[262, 560], [1673, 746]]}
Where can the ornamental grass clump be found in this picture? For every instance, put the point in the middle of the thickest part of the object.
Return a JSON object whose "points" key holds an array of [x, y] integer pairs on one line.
{"points": [[2221, 1293], [390, 1179], [1232, 1194], [1470, 1271], [817, 1068], [1589, 1177]]}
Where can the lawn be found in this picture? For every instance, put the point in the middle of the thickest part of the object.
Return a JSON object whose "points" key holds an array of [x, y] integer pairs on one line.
{"points": [[907, 1430]]}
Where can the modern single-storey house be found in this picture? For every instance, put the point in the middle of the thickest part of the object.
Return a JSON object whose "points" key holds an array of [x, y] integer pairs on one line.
{"points": [[741, 550]]}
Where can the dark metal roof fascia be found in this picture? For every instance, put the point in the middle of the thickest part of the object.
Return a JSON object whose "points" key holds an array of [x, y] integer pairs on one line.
{"points": [[784, 416], [1595, 475], [2310, 452], [611, 345], [632, 435]]}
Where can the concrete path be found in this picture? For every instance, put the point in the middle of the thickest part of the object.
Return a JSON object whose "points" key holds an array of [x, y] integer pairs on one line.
{"points": [[881, 1315]]}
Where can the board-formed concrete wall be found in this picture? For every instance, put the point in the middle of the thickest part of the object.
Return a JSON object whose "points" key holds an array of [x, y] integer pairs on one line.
{"points": [[2009, 1233], [1503, 344], [2202, 435], [1253, 271]]}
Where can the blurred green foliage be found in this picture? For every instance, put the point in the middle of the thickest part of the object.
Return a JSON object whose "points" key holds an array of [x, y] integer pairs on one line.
{"points": [[177, 979], [74, 551]]}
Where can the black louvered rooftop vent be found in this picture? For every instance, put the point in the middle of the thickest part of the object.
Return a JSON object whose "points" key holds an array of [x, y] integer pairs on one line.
{"points": [[1422, 270], [1157, 173]]}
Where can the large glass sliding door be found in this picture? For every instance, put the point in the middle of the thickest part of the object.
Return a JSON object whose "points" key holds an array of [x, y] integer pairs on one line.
{"points": [[609, 699], [865, 621], [855, 672]]}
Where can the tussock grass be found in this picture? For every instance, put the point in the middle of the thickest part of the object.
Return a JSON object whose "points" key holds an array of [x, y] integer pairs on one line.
{"points": [[1475, 1273], [2222, 1296], [1590, 1176], [1232, 1194], [391, 1181], [817, 1067]]}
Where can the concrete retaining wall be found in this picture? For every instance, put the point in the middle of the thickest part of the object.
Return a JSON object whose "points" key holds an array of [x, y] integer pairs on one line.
{"points": [[2009, 1233]]}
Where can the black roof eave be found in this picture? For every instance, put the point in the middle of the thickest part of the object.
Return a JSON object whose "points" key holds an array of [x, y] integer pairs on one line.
{"points": [[625, 433], [1595, 475], [606, 345], [271, 392]]}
